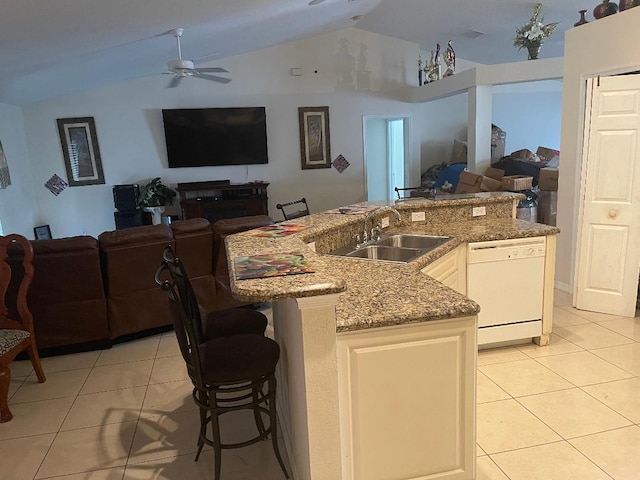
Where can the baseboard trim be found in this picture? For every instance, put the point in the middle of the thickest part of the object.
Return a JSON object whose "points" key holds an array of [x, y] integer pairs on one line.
{"points": [[562, 286]]}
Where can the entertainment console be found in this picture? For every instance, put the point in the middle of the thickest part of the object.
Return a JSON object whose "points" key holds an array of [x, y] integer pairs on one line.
{"points": [[218, 200]]}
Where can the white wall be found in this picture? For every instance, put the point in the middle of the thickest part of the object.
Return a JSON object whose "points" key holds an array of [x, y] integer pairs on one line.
{"points": [[588, 53], [130, 135], [530, 113], [17, 207], [443, 121]]}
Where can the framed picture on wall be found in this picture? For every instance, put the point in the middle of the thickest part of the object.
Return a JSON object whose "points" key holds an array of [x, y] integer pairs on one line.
{"points": [[80, 150], [5, 178], [43, 232], [315, 147]]}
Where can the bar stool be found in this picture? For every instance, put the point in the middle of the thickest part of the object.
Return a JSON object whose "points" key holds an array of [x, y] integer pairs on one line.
{"points": [[229, 373]]}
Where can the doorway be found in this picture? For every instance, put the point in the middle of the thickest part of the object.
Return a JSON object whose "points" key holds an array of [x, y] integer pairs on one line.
{"points": [[386, 146]]}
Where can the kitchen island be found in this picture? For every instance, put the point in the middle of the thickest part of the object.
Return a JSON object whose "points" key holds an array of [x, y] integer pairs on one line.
{"points": [[377, 373]]}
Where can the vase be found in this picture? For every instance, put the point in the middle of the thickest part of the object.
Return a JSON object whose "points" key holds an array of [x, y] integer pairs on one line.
{"points": [[534, 51], [156, 214], [626, 4], [605, 9], [582, 20]]}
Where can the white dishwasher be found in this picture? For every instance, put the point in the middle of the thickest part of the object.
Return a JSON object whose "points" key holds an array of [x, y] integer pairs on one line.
{"points": [[506, 278]]}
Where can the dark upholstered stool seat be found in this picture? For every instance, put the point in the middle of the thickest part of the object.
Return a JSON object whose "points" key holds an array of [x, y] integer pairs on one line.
{"points": [[233, 321], [238, 358]]}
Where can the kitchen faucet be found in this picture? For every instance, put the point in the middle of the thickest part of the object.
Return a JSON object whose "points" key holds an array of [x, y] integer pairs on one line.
{"points": [[375, 231]]}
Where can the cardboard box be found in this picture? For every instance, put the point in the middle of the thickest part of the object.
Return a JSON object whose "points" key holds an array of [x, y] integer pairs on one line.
{"points": [[469, 182], [523, 154], [474, 183], [548, 154], [459, 152], [548, 179], [489, 184], [517, 182], [547, 207], [495, 173]]}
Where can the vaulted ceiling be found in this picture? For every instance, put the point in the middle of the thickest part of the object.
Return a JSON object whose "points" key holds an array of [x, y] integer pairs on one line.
{"points": [[50, 48]]}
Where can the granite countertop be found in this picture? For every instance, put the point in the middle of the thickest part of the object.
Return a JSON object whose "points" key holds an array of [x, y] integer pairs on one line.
{"points": [[371, 293]]}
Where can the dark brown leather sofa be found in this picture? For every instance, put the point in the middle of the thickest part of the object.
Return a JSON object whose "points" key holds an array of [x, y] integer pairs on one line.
{"points": [[88, 293], [67, 297]]}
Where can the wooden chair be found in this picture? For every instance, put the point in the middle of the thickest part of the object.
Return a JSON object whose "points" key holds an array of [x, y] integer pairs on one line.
{"points": [[16, 328], [229, 373], [301, 205]]}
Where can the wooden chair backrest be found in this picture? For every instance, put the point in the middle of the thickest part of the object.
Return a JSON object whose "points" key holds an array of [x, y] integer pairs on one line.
{"points": [[25, 319]]}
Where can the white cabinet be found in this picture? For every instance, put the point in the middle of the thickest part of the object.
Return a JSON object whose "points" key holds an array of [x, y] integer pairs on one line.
{"points": [[407, 401], [450, 269]]}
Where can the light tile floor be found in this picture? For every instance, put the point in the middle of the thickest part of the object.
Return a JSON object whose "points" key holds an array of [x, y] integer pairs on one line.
{"points": [[570, 410]]}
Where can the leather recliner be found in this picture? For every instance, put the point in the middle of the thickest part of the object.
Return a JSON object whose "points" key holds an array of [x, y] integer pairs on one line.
{"points": [[221, 229], [194, 248], [66, 297], [130, 258]]}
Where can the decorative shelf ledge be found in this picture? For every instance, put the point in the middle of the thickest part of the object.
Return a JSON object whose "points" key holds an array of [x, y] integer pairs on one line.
{"points": [[501, 74]]}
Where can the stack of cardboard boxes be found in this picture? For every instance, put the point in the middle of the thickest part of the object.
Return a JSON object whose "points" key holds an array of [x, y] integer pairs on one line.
{"points": [[548, 196], [493, 180]]}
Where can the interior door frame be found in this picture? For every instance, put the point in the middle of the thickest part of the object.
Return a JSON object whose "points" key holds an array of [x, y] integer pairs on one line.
{"points": [[408, 177]]}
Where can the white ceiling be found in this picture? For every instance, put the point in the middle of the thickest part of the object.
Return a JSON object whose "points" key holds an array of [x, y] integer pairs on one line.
{"points": [[50, 48]]}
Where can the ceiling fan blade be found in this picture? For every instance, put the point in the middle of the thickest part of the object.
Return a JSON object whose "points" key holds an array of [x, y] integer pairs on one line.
{"points": [[214, 78], [213, 70], [175, 81]]}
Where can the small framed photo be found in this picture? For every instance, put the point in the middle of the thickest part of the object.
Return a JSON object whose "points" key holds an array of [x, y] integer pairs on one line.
{"points": [[43, 232], [81, 152], [315, 146]]}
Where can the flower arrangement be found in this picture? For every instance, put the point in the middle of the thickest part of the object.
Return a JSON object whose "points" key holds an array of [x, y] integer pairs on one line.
{"points": [[155, 194], [532, 35]]}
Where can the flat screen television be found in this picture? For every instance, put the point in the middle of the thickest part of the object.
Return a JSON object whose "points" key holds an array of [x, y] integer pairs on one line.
{"points": [[197, 137]]}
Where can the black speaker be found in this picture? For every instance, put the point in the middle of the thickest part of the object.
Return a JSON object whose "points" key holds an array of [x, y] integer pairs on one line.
{"points": [[125, 197], [128, 219]]}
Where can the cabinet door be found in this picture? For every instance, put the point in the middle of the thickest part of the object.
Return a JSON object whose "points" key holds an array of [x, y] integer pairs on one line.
{"points": [[450, 269], [407, 401]]}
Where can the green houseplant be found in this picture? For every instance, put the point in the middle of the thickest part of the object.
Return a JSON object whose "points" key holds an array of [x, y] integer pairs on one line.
{"points": [[155, 194]]}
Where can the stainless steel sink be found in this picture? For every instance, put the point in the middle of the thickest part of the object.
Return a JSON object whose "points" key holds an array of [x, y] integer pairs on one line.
{"points": [[394, 248], [427, 242], [389, 254]]}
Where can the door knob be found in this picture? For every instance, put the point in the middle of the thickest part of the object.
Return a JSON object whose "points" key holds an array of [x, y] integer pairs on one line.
{"points": [[613, 213]]}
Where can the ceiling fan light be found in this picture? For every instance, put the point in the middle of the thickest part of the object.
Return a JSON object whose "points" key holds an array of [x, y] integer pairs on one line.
{"points": [[180, 65]]}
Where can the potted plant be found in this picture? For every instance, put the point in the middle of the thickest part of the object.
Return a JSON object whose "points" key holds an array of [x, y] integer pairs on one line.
{"points": [[532, 35], [153, 197]]}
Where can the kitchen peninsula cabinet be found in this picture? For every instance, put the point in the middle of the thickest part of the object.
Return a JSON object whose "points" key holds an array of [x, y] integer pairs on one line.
{"points": [[450, 269], [401, 417], [376, 378]]}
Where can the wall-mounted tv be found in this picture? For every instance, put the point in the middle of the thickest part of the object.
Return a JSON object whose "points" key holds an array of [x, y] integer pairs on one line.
{"points": [[197, 137]]}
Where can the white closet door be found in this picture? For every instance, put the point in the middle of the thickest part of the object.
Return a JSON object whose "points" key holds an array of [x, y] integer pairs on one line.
{"points": [[609, 228]]}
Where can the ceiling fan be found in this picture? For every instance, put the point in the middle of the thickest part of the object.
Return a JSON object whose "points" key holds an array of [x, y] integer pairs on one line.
{"points": [[181, 68]]}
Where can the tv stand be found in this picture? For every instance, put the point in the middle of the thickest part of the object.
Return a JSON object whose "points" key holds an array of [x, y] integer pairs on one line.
{"points": [[217, 201]]}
